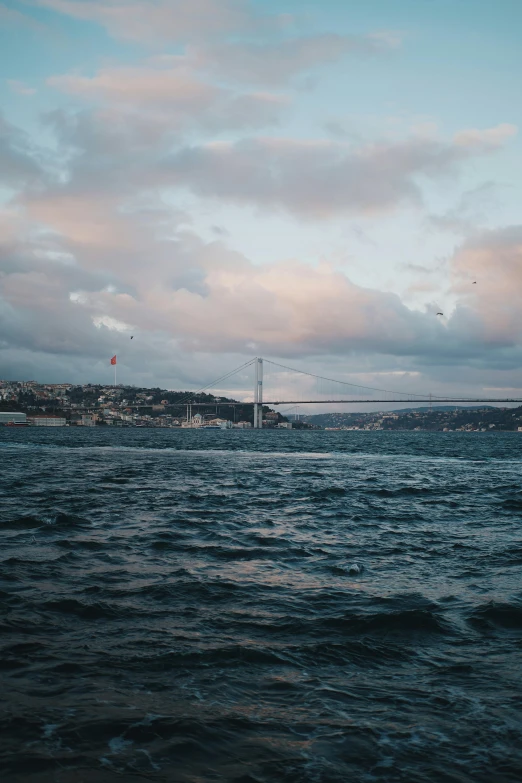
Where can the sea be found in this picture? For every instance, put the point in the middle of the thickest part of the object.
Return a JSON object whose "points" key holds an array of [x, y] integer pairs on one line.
{"points": [[260, 606]]}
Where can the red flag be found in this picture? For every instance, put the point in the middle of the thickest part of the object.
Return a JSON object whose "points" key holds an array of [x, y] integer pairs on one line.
{"points": [[113, 360]]}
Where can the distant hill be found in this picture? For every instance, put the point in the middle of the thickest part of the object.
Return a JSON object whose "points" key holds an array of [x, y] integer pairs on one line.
{"points": [[424, 409], [439, 417], [446, 408], [336, 418]]}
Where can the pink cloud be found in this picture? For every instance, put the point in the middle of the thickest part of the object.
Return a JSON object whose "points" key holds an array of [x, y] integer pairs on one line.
{"points": [[136, 86], [487, 276], [474, 138], [20, 88], [154, 21], [170, 97]]}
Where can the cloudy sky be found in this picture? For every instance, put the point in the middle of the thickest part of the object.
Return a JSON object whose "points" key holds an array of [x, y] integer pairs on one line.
{"points": [[307, 181]]}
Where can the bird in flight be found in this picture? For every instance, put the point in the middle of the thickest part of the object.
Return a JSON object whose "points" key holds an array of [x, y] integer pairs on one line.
{"points": [[474, 282], [132, 337], [440, 313]]}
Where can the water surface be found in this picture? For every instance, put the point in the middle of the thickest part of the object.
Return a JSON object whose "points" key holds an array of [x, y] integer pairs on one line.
{"points": [[180, 606]]}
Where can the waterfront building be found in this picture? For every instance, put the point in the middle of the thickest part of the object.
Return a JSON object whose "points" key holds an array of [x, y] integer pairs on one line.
{"points": [[270, 419], [47, 420], [223, 423], [199, 421]]}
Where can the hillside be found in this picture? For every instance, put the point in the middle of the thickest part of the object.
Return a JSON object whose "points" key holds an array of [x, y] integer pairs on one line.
{"points": [[439, 418]]}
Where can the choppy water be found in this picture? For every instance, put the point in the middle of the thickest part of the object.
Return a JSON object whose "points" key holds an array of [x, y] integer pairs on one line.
{"points": [[178, 606]]}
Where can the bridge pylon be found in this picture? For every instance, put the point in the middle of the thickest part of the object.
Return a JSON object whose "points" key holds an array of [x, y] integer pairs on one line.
{"points": [[258, 395]]}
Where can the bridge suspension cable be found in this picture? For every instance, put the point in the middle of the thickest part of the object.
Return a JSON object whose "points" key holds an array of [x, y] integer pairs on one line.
{"points": [[212, 385], [423, 396], [287, 398]]}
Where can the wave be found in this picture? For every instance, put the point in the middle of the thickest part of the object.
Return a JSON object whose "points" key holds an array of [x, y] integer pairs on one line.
{"points": [[408, 621], [227, 655], [404, 491], [23, 523], [56, 520], [83, 543], [365, 652], [513, 503], [511, 554], [94, 611], [327, 493], [497, 615]]}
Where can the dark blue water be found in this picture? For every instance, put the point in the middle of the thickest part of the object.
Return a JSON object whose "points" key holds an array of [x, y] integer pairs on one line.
{"points": [[180, 606]]}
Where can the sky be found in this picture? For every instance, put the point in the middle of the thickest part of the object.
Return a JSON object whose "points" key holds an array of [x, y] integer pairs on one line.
{"points": [[311, 182]]}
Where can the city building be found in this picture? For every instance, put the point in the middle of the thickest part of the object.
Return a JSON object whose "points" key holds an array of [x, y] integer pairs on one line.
{"points": [[270, 419], [47, 420]]}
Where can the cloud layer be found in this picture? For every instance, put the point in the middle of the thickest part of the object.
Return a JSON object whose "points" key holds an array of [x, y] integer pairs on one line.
{"points": [[77, 253], [98, 238], [322, 178]]}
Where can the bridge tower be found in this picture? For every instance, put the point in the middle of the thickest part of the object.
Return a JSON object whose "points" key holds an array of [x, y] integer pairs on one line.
{"points": [[258, 395]]}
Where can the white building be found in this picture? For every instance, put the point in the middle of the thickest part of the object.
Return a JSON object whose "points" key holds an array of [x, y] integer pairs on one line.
{"points": [[47, 421], [223, 423], [199, 421]]}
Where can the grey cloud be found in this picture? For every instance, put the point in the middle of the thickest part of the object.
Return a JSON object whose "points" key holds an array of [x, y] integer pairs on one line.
{"points": [[420, 268], [192, 279], [315, 179], [19, 160], [505, 238], [246, 111], [274, 63], [220, 231], [337, 129], [474, 209], [51, 261]]}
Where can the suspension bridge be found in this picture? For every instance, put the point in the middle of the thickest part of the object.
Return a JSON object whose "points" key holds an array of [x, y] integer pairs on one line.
{"points": [[276, 384]]}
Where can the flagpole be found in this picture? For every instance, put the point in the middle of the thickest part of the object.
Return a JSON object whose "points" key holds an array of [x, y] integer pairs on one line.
{"points": [[115, 374]]}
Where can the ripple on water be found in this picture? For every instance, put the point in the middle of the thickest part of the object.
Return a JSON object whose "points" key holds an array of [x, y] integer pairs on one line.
{"points": [[185, 606]]}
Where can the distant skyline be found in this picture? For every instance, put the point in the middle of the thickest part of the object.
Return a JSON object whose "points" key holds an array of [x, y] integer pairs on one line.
{"points": [[309, 182]]}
